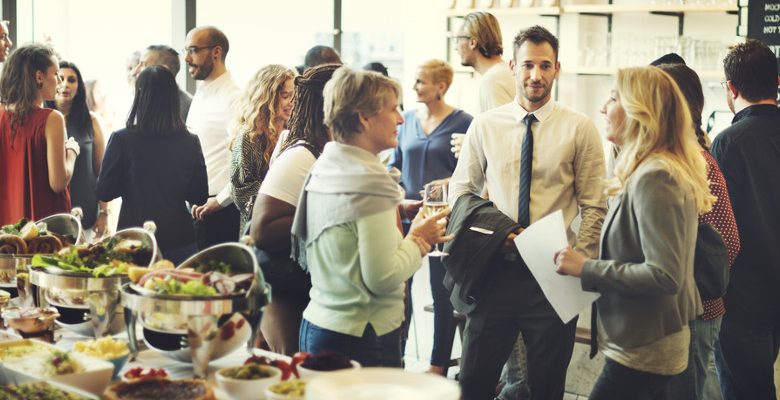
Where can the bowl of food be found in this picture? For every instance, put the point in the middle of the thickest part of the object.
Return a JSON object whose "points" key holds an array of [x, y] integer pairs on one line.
{"points": [[247, 381], [30, 321], [288, 390], [44, 390], [310, 365], [106, 348]]}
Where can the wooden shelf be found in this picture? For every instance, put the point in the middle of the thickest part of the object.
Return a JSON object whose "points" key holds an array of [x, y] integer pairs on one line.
{"points": [[642, 8], [707, 75], [527, 11]]}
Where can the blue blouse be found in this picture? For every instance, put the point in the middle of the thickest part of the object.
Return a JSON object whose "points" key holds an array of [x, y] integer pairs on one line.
{"points": [[423, 158]]}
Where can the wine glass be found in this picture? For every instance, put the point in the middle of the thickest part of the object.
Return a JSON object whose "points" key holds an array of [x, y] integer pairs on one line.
{"points": [[434, 202]]}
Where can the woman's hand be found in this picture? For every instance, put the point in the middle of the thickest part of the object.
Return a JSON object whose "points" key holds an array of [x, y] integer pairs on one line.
{"points": [[101, 226], [569, 262], [429, 229]]}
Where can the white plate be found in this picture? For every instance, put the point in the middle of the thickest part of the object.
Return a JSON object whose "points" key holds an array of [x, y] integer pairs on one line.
{"points": [[94, 379], [381, 384]]}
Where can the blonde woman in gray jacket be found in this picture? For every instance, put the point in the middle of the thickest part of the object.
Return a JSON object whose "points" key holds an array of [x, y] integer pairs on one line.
{"points": [[645, 270]]}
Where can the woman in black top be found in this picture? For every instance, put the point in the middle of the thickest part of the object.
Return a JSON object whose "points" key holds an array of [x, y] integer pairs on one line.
{"points": [[71, 101], [156, 166]]}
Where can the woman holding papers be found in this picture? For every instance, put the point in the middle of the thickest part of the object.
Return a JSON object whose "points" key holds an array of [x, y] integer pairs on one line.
{"points": [[645, 270]]}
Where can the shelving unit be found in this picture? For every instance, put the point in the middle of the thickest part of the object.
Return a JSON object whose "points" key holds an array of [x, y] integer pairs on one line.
{"points": [[608, 71], [598, 9], [530, 11]]}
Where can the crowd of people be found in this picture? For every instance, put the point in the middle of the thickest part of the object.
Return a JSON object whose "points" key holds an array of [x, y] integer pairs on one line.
{"points": [[293, 161]]}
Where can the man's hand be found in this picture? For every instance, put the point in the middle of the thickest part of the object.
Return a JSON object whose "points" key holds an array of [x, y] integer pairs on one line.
{"points": [[211, 205], [509, 243], [457, 142]]}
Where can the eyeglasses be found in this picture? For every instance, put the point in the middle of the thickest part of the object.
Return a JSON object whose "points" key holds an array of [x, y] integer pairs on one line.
{"points": [[723, 84], [194, 49], [456, 37]]}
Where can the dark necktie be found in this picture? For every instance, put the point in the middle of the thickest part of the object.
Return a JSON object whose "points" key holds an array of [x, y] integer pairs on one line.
{"points": [[526, 161]]}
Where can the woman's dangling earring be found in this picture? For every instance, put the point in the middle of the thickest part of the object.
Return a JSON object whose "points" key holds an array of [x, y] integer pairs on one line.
{"points": [[40, 85], [438, 96]]}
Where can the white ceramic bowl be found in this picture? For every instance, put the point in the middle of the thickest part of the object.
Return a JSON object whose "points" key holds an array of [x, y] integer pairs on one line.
{"points": [[307, 374], [247, 389]]}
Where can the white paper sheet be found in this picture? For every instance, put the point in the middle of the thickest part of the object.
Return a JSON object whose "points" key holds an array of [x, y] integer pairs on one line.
{"points": [[538, 244]]}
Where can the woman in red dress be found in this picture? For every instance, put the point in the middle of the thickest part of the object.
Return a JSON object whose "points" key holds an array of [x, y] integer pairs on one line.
{"points": [[36, 163]]}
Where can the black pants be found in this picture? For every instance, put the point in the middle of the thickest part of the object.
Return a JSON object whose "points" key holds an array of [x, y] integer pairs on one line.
{"points": [[750, 353], [218, 227], [515, 303], [618, 382]]}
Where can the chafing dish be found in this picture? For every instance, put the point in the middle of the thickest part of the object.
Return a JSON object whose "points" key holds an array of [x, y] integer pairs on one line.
{"points": [[199, 329], [88, 305], [12, 264]]}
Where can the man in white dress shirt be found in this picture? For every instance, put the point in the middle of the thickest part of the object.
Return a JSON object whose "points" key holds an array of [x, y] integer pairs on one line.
{"points": [[210, 117], [542, 157], [480, 46]]}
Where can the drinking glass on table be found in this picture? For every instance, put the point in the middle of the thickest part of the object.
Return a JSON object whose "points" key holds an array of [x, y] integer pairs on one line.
{"points": [[434, 202]]}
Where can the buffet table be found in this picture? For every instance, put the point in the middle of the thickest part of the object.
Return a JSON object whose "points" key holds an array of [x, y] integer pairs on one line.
{"points": [[148, 358]]}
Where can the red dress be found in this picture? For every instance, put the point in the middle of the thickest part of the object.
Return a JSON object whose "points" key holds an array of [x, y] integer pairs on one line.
{"points": [[24, 172]]}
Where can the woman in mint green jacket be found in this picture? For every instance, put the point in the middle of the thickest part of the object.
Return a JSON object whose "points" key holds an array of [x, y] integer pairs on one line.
{"points": [[346, 227]]}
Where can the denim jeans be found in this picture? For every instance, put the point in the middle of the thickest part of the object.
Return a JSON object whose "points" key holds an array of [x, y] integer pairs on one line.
{"points": [[620, 382], [515, 374], [369, 350], [724, 375], [699, 381]]}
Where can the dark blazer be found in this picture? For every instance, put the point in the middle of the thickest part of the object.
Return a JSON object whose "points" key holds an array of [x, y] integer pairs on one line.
{"points": [[471, 253], [156, 176], [645, 270]]}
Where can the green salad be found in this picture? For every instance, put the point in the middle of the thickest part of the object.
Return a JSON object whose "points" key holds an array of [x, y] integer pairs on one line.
{"points": [[99, 259], [173, 286]]}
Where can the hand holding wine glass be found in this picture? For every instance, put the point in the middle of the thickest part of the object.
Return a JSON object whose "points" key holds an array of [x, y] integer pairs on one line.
{"points": [[434, 202]]}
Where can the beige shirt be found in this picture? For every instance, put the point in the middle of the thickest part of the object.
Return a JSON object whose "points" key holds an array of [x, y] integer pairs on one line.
{"points": [[497, 87], [666, 356], [568, 167]]}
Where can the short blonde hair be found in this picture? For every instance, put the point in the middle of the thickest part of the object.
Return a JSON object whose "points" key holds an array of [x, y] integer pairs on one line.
{"points": [[351, 93], [658, 125], [483, 27], [440, 72]]}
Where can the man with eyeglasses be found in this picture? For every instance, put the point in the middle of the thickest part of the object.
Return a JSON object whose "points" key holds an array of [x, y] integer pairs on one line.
{"points": [[478, 43], [160, 54], [210, 117], [5, 41]]}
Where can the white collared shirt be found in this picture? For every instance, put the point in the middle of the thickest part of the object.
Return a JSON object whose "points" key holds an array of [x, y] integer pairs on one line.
{"points": [[568, 167], [211, 118]]}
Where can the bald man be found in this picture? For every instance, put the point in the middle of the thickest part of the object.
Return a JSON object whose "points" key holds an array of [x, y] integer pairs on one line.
{"points": [[210, 117]]}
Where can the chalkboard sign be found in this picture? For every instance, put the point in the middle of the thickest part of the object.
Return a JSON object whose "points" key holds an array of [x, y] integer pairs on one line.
{"points": [[764, 23]]}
